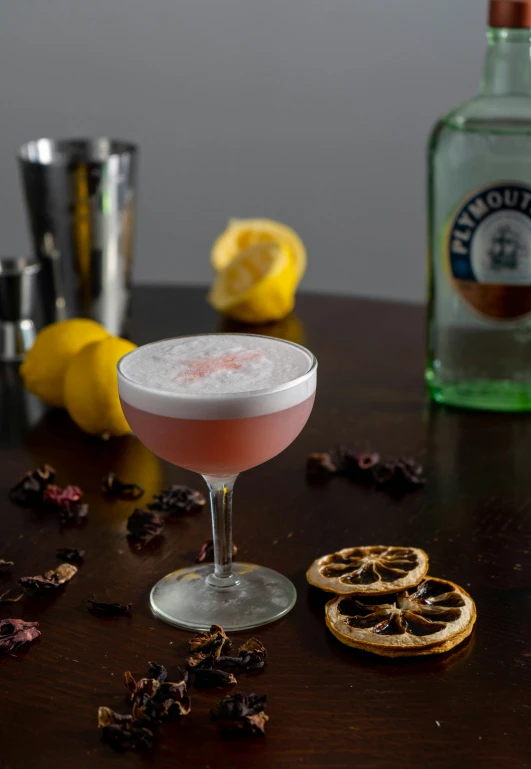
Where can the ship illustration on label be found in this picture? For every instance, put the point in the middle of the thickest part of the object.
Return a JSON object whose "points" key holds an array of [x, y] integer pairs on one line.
{"points": [[506, 249], [489, 250]]}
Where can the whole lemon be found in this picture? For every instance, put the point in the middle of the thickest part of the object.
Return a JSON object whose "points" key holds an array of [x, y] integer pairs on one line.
{"points": [[45, 365], [91, 387]]}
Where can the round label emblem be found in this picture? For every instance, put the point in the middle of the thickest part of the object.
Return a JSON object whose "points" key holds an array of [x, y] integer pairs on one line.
{"points": [[489, 250]]}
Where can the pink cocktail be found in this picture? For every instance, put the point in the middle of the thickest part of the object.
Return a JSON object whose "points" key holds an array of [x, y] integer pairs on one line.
{"points": [[219, 404], [219, 447]]}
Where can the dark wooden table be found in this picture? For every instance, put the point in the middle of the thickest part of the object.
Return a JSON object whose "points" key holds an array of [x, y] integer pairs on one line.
{"points": [[330, 707]]}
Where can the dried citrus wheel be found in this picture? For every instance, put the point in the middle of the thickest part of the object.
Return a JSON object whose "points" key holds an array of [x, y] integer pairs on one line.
{"points": [[369, 570], [433, 618]]}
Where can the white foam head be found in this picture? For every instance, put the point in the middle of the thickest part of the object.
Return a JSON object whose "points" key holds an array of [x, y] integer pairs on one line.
{"points": [[217, 376]]}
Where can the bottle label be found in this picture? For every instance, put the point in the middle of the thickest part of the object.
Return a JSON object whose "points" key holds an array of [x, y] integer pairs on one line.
{"points": [[489, 250]]}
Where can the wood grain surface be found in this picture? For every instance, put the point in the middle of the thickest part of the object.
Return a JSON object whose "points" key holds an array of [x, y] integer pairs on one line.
{"points": [[330, 707]]}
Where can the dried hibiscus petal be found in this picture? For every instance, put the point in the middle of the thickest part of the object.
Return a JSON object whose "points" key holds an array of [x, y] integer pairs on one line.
{"points": [[59, 496], [210, 677], [6, 565], [400, 476], [253, 647], [28, 492], [145, 710], [207, 552], [112, 486], [50, 579], [106, 717], [383, 474], [358, 467], [70, 554], [121, 733], [15, 632], [73, 514], [106, 609], [129, 682], [211, 643], [396, 476], [156, 700], [171, 708], [241, 714], [320, 465], [154, 682], [252, 655], [158, 672], [66, 501], [147, 713], [152, 711], [199, 659], [174, 690], [144, 525], [178, 499]]}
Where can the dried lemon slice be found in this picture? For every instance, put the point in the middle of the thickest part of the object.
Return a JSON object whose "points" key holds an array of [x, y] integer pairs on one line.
{"points": [[369, 570], [432, 619]]}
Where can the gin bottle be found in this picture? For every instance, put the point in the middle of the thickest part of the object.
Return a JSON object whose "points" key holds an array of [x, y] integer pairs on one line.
{"points": [[479, 230]]}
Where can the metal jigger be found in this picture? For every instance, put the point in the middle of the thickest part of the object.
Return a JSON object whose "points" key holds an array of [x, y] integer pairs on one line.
{"points": [[18, 291]]}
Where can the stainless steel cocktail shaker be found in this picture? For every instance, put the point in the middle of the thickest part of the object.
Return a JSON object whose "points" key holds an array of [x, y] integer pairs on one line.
{"points": [[80, 197]]}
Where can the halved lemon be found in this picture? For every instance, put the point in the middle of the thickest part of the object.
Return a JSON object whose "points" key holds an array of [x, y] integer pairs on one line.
{"points": [[258, 286], [240, 234], [432, 619], [369, 570]]}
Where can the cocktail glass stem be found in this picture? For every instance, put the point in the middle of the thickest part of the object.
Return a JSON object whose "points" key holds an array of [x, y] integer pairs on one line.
{"points": [[220, 490]]}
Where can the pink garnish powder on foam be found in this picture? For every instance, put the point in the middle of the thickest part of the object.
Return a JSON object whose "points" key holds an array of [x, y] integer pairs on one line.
{"points": [[202, 367]]}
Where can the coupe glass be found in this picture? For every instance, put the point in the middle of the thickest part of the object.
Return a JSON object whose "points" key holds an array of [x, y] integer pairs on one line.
{"points": [[257, 425]]}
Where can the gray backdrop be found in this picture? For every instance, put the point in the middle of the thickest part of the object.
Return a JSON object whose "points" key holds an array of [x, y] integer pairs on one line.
{"points": [[314, 112]]}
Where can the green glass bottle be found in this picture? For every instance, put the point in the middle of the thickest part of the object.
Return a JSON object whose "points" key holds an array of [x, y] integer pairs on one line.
{"points": [[479, 230]]}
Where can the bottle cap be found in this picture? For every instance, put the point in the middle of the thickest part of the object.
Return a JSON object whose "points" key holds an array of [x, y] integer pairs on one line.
{"points": [[514, 14]]}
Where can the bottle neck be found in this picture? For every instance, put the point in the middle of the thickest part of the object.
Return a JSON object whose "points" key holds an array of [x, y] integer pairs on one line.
{"points": [[507, 70]]}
